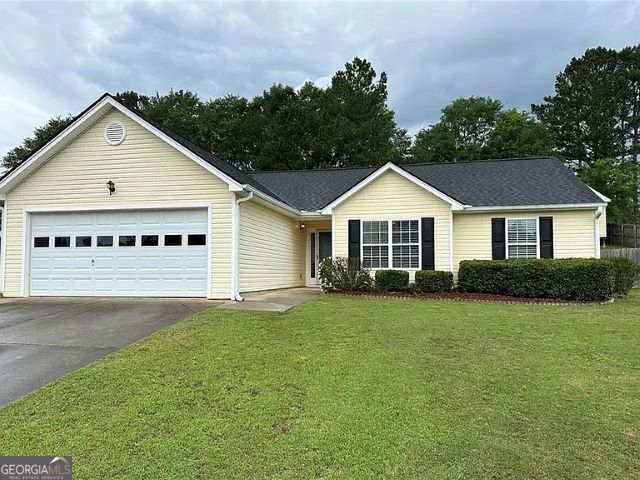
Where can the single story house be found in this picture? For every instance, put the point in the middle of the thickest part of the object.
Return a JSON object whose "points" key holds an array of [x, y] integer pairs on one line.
{"points": [[119, 205]]}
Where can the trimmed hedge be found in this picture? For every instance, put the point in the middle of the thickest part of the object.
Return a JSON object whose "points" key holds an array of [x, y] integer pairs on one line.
{"points": [[392, 280], [625, 274], [581, 279], [428, 281]]}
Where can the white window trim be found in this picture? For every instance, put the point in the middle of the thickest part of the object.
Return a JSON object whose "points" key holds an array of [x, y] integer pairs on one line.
{"points": [[506, 235], [390, 243]]}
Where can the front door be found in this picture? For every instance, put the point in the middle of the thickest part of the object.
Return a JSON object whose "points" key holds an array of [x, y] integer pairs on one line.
{"points": [[320, 243]]}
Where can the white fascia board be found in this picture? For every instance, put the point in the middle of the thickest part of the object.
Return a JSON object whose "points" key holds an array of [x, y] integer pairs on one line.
{"points": [[455, 205], [83, 122], [602, 197], [573, 206], [277, 203]]}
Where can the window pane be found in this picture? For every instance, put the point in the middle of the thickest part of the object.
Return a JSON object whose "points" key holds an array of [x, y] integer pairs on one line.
{"points": [[149, 240], [196, 239], [404, 231], [522, 251], [83, 241], [522, 238], [41, 242], [62, 242], [374, 232], [313, 255], [375, 256], [127, 241], [172, 240], [104, 241], [405, 256]]}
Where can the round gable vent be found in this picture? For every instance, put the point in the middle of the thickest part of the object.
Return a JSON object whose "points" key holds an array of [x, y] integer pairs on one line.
{"points": [[115, 133]]}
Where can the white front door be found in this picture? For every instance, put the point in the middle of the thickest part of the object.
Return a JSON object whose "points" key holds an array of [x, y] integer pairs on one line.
{"points": [[154, 253]]}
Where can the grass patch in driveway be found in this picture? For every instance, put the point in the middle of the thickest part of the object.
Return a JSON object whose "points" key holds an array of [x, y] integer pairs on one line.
{"points": [[350, 387]]}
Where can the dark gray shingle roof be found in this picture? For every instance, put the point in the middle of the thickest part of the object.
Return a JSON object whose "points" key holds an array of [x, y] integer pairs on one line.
{"points": [[487, 183]]}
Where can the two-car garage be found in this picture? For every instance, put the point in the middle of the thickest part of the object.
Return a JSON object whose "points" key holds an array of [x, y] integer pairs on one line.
{"points": [[150, 253]]}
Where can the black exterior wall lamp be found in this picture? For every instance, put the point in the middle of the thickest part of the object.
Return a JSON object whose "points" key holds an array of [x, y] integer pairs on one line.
{"points": [[112, 187]]}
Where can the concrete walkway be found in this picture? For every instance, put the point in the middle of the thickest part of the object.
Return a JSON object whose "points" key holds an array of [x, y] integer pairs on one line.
{"points": [[273, 300]]}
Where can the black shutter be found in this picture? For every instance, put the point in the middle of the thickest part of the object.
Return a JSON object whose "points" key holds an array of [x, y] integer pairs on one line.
{"points": [[546, 237], [428, 244], [354, 240], [498, 244]]}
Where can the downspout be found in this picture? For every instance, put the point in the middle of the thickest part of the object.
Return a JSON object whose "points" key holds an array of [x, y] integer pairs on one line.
{"points": [[599, 212], [235, 250]]}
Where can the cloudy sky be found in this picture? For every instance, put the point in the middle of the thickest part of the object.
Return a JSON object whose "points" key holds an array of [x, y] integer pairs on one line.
{"points": [[56, 58]]}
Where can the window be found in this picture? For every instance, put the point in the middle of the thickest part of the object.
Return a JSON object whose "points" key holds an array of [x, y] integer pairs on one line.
{"points": [[149, 240], [104, 241], [172, 240], [406, 247], [522, 238], [399, 247], [196, 239], [62, 242], [83, 241], [41, 242], [375, 244], [313, 255], [127, 241]]}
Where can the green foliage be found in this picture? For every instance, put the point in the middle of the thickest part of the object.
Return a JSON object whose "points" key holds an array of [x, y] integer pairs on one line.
{"points": [[626, 273], [618, 180], [566, 279], [344, 275], [428, 281], [41, 135], [595, 110], [392, 280], [478, 128]]}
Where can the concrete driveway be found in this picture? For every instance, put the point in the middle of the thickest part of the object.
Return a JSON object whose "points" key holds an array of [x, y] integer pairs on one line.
{"points": [[43, 339]]}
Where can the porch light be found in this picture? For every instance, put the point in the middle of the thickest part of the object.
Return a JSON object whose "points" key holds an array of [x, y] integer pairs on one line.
{"points": [[302, 226], [112, 187]]}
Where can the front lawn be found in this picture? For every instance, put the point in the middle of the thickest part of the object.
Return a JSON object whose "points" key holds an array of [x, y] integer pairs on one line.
{"points": [[355, 387]]}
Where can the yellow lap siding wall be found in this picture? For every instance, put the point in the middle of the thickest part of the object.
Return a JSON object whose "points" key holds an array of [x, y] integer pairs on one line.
{"points": [[272, 249], [392, 197], [573, 233], [145, 169]]}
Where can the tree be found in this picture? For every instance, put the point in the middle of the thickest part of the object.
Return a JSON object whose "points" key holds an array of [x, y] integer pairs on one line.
{"points": [[588, 112], [41, 135], [358, 124], [517, 134], [478, 128], [401, 142], [617, 180]]}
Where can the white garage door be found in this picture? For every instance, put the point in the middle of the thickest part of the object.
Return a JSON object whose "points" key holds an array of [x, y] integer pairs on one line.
{"points": [[158, 253]]}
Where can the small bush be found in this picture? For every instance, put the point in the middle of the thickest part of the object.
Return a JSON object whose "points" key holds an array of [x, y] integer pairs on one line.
{"points": [[428, 281], [392, 280], [579, 279], [626, 273], [344, 275]]}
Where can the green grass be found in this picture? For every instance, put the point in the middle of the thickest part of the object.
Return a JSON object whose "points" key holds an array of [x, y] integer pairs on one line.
{"points": [[355, 388]]}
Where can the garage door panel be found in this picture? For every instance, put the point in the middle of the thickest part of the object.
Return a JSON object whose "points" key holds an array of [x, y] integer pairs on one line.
{"points": [[132, 270]]}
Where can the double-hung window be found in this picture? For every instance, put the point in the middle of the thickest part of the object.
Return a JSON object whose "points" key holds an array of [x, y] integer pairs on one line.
{"points": [[394, 243], [406, 246], [375, 244], [522, 238]]}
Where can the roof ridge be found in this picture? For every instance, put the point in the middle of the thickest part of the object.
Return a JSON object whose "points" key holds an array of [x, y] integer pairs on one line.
{"points": [[483, 160], [324, 169]]}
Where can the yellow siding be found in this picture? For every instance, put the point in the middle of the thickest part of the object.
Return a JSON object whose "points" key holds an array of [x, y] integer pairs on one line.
{"points": [[145, 169], [271, 249], [603, 224], [573, 233], [391, 196]]}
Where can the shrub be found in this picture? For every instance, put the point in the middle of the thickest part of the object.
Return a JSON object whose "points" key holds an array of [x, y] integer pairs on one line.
{"points": [[344, 275], [392, 280], [626, 273], [433, 281], [580, 279]]}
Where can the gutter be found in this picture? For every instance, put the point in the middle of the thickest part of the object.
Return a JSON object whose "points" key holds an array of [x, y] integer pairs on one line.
{"points": [[235, 245], [596, 229]]}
